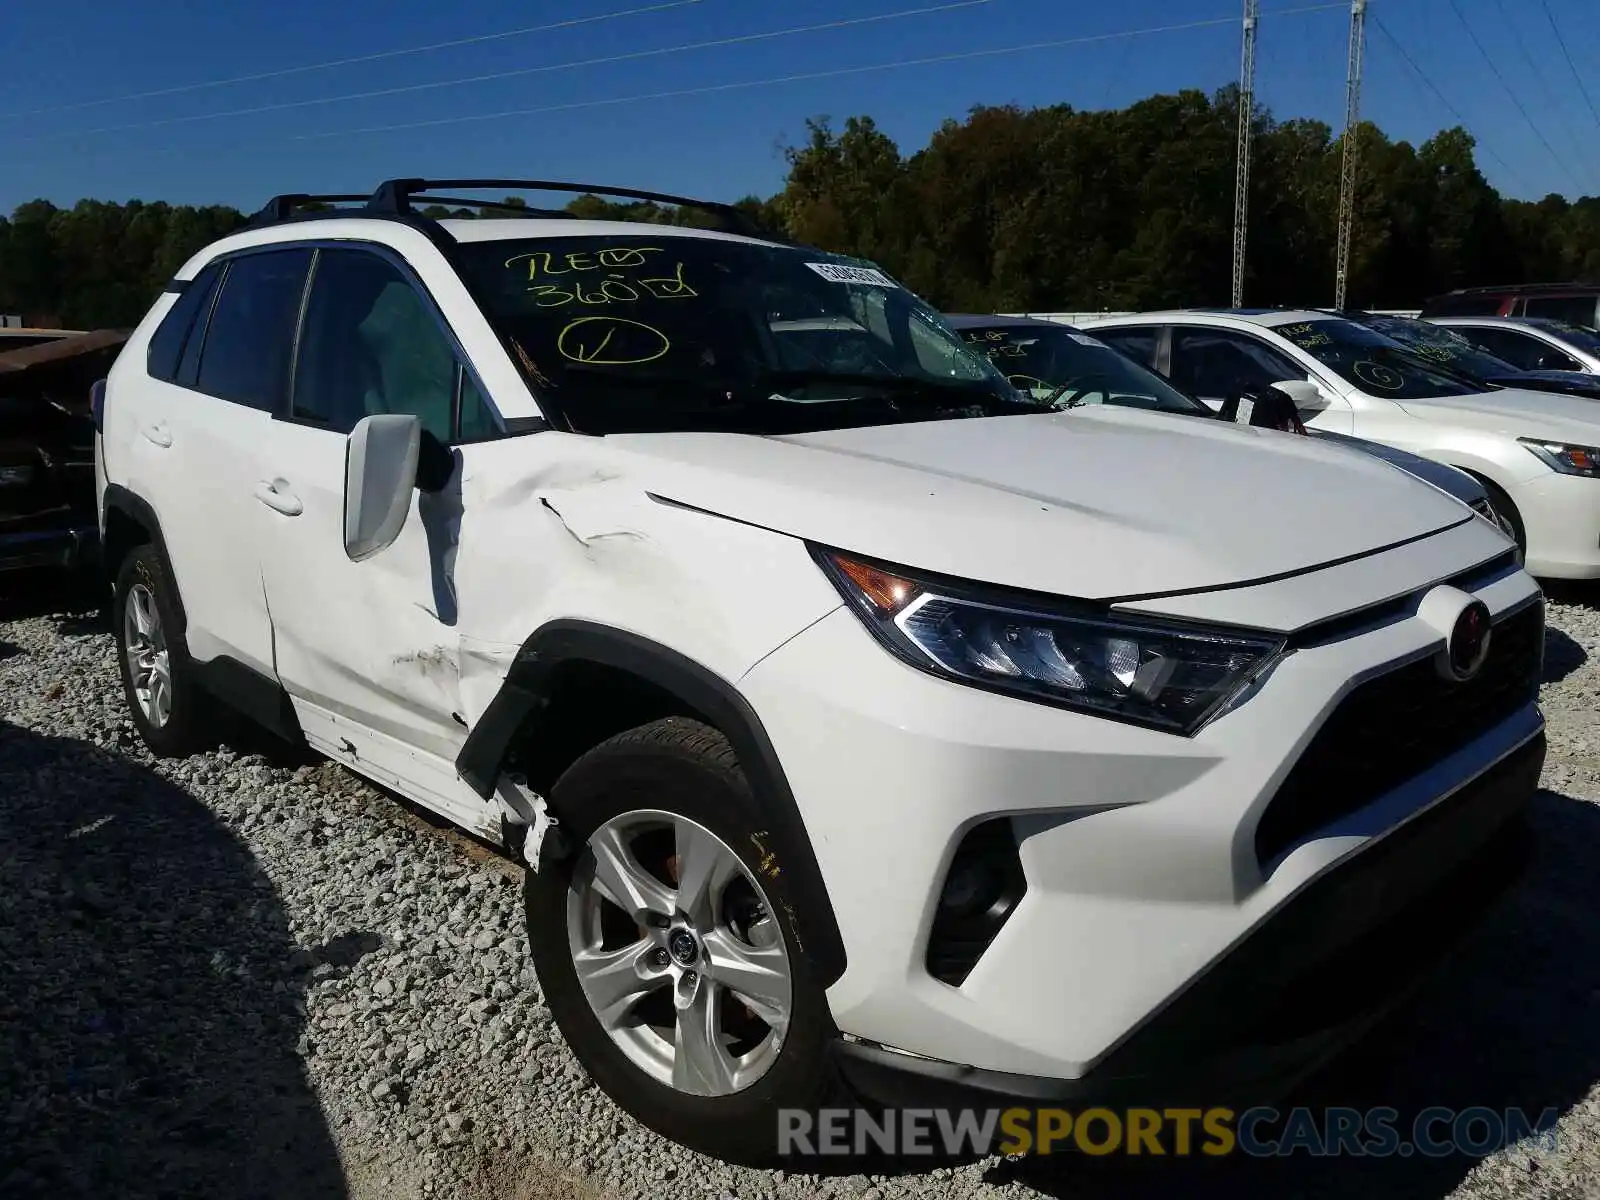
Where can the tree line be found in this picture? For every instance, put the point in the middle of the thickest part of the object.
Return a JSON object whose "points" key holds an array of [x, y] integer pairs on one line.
{"points": [[1010, 209]]}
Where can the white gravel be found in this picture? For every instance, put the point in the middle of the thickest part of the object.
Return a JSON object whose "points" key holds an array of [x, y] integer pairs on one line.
{"points": [[245, 975]]}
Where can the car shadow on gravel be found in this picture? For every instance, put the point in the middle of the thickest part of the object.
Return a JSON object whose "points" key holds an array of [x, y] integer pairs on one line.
{"points": [[149, 1009], [47, 594], [1562, 655], [1508, 1023]]}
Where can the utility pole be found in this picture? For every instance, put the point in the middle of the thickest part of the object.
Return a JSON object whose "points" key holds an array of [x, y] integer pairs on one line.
{"points": [[1241, 182], [1347, 175]]}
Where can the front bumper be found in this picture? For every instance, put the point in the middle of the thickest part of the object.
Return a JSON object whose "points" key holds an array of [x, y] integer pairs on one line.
{"points": [[1143, 871], [1561, 516], [1311, 979]]}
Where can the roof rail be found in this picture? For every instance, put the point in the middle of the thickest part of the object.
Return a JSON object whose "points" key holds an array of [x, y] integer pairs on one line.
{"points": [[394, 196], [281, 208]]}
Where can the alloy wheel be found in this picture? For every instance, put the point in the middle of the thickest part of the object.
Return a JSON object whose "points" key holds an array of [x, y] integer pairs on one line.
{"points": [[145, 646], [676, 950]]}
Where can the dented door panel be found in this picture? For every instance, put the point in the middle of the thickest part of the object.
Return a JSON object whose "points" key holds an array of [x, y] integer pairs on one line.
{"points": [[375, 641]]}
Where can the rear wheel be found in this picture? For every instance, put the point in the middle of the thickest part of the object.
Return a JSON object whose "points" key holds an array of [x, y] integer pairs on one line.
{"points": [[665, 947], [157, 676]]}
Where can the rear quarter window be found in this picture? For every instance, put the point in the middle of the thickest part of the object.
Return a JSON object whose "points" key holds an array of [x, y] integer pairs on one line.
{"points": [[166, 343]]}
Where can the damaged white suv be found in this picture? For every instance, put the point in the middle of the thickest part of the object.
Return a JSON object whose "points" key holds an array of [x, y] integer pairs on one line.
{"points": [[868, 728]]}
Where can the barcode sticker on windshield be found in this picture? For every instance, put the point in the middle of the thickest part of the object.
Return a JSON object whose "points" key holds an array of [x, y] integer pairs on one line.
{"points": [[1083, 339], [838, 273]]}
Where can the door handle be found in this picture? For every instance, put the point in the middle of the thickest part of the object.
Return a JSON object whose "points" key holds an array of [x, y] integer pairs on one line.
{"points": [[276, 495], [160, 435]]}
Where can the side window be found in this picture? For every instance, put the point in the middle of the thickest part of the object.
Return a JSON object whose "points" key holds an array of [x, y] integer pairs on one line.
{"points": [[477, 418], [1137, 343], [167, 342], [250, 339], [1521, 350], [1574, 310], [371, 345], [1215, 363]]}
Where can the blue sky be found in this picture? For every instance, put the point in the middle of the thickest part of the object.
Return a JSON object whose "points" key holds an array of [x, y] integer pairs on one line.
{"points": [[70, 54]]}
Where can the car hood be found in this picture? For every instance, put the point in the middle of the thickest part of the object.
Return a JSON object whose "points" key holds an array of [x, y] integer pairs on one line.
{"points": [[1097, 503], [1441, 475], [1516, 412], [1575, 383]]}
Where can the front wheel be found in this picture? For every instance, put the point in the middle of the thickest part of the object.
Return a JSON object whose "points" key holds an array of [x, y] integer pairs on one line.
{"points": [[1507, 516], [666, 949]]}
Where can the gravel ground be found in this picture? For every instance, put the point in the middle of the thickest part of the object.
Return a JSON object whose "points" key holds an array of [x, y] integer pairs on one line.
{"points": [[247, 974]]}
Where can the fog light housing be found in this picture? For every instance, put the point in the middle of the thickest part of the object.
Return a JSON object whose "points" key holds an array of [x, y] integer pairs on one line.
{"points": [[981, 890]]}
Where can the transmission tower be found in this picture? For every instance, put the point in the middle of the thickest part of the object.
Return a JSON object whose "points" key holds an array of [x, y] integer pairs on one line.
{"points": [[1347, 175], [1241, 183]]}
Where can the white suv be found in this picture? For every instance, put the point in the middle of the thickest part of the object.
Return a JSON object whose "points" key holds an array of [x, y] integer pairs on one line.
{"points": [[866, 729]]}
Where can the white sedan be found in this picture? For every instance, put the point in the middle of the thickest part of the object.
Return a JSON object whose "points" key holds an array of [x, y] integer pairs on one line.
{"points": [[1537, 453]]}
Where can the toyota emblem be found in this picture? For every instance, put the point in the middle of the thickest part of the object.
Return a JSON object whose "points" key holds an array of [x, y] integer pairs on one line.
{"points": [[1468, 643]]}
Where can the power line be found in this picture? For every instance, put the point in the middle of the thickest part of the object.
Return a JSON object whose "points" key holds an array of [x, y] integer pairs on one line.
{"points": [[477, 39], [630, 56], [1422, 75], [1567, 54], [1537, 132], [1547, 91], [709, 89]]}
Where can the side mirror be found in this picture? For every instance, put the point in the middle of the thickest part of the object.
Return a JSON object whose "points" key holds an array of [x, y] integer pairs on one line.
{"points": [[1267, 409], [1306, 396], [380, 469]]}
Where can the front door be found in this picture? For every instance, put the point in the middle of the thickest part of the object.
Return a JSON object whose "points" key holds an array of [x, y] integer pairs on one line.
{"points": [[371, 642], [1214, 364]]}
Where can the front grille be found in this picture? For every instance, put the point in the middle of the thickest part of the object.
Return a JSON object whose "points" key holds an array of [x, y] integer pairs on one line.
{"points": [[1393, 728]]}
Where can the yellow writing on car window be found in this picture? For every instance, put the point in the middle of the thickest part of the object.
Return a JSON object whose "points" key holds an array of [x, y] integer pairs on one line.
{"points": [[611, 341], [545, 262], [671, 287]]}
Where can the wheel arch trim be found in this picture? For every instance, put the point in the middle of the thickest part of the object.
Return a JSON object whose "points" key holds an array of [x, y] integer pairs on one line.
{"points": [[137, 509], [525, 693]]}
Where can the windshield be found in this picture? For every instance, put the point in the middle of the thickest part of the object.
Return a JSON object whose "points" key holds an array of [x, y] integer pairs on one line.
{"points": [[1376, 364], [1443, 346], [1066, 368], [655, 332]]}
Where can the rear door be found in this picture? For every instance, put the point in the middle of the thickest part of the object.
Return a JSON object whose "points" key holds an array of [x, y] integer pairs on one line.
{"points": [[199, 435]]}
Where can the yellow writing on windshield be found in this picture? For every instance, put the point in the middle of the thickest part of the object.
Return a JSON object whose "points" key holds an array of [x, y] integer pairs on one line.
{"points": [[557, 280], [546, 262], [611, 341]]}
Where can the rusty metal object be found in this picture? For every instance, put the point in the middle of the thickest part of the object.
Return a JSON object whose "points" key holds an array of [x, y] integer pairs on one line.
{"points": [[47, 497]]}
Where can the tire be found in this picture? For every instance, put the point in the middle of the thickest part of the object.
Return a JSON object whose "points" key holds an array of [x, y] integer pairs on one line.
{"points": [[658, 790], [1506, 513], [144, 620]]}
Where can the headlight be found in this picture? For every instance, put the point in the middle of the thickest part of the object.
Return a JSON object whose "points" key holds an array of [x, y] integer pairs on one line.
{"points": [[19, 476], [1162, 675], [1569, 460]]}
